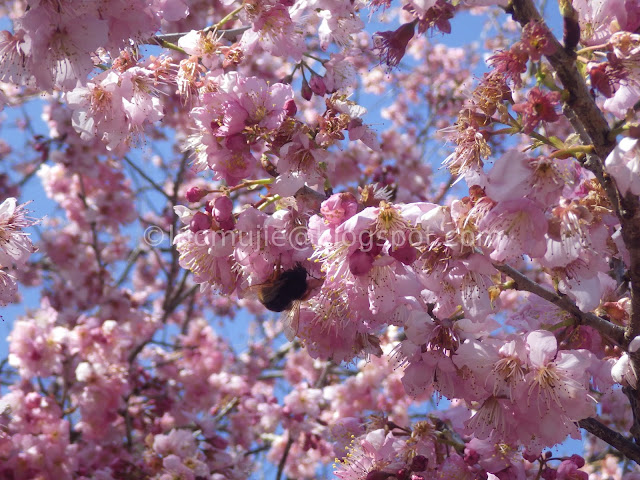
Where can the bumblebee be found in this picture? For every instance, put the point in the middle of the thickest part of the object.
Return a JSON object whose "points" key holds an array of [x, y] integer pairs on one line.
{"points": [[283, 288], [284, 291]]}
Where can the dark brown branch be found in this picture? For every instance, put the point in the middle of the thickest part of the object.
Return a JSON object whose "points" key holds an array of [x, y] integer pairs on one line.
{"points": [[578, 98], [614, 332], [283, 459], [625, 446]]}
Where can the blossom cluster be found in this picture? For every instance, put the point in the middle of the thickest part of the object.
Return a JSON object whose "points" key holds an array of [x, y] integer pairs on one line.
{"points": [[504, 285]]}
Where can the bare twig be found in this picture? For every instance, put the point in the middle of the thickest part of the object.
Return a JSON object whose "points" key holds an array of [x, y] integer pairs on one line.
{"points": [[141, 172], [283, 459]]}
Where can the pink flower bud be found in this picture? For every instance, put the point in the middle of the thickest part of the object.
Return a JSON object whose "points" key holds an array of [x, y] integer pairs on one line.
{"points": [[317, 85], [222, 208], [306, 91], [577, 460], [378, 475], [338, 208], [290, 107], [360, 263], [548, 474], [223, 212], [200, 221], [419, 463], [195, 194], [218, 442]]}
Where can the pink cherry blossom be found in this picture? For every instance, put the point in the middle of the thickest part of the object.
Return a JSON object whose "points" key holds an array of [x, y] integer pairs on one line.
{"points": [[623, 163]]}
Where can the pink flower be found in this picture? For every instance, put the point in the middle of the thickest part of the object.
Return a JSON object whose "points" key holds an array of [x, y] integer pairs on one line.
{"points": [[511, 63], [623, 163], [60, 44], [513, 228], [8, 288], [98, 110], [556, 389], [208, 255], [392, 45], [15, 246], [36, 344], [15, 65], [274, 31], [539, 107], [338, 208], [624, 99], [301, 162], [537, 40]]}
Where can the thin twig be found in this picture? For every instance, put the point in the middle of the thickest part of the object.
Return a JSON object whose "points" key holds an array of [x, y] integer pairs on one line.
{"points": [[285, 454], [147, 178]]}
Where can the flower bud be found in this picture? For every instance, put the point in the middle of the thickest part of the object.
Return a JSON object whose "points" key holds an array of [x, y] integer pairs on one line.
{"points": [[195, 194], [419, 463], [317, 85], [223, 212], [378, 475], [578, 460], [360, 263], [306, 91], [290, 108], [200, 221], [548, 474], [338, 208]]}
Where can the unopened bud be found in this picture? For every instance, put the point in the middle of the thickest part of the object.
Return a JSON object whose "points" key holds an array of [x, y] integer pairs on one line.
{"points": [[223, 212], [317, 85], [306, 91], [577, 460], [419, 463], [195, 194], [290, 107], [200, 221]]}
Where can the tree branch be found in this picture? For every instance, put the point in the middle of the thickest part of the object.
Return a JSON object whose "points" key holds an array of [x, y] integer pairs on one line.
{"points": [[283, 459], [592, 127], [614, 332], [625, 446], [579, 100], [230, 34]]}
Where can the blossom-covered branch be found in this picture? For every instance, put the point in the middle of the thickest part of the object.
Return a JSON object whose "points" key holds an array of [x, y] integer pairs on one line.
{"points": [[522, 282]]}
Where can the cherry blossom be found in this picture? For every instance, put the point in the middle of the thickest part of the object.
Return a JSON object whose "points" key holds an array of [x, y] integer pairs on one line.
{"points": [[319, 238]]}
